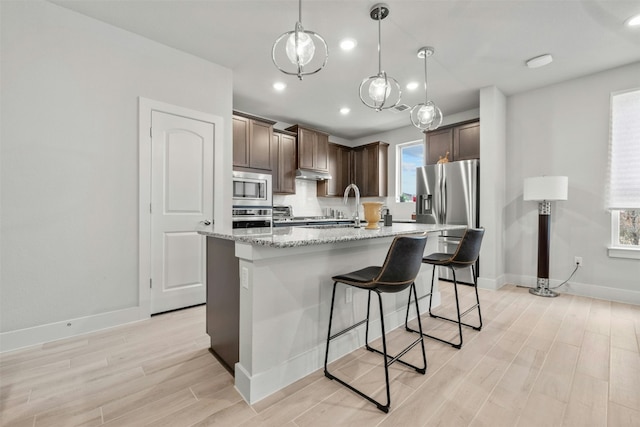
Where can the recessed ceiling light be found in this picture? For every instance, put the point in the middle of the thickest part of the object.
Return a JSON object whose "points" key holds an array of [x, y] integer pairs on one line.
{"points": [[412, 85], [345, 110], [279, 86], [539, 61], [634, 21], [348, 44]]}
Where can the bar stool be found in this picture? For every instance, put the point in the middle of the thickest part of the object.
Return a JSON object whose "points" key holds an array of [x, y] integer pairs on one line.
{"points": [[466, 255], [398, 273]]}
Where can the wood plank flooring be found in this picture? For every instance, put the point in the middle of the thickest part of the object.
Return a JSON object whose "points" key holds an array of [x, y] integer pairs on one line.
{"points": [[568, 361]]}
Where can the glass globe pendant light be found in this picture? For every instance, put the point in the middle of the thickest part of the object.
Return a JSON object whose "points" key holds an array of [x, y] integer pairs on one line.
{"points": [[426, 116], [299, 48], [381, 91]]}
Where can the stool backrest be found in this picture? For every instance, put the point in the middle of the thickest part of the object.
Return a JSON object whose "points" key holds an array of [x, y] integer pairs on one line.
{"points": [[402, 265], [469, 247]]}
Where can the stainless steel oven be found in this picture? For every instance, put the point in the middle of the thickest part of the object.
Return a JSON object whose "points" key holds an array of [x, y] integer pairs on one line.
{"points": [[252, 190], [252, 200], [251, 217]]}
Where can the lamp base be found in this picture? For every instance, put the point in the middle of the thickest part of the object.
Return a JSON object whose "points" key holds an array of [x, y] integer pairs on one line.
{"points": [[543, 289]]}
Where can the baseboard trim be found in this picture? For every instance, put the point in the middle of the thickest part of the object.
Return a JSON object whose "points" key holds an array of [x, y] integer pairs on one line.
{"points": [[14, 340], [492, 284], [582, 289]]}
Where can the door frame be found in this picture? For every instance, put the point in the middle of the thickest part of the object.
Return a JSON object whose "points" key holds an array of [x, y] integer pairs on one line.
{"points": [[145, 108]]}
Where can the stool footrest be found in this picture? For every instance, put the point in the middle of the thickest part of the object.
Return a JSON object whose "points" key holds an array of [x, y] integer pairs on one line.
{"points": [[396, 358], [469, 310], [477, 328], [344, 331]]}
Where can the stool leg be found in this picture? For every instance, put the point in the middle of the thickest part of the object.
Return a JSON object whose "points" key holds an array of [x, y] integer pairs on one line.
{"points": [[406, 317], [475, 285], [455, 289], [384, 408], [366, 330], [433, 275], [424, 354], [326, 355]]}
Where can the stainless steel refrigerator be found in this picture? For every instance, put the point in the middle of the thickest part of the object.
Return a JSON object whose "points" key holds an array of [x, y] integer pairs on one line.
{"points": [[449, 193]]}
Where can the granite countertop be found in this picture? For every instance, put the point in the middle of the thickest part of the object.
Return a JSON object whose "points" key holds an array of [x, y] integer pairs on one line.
{"points": [[288, 237]]}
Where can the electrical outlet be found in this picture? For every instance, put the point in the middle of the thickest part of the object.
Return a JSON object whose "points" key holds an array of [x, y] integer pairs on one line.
{"points": [[578, 261], [348, 295]]}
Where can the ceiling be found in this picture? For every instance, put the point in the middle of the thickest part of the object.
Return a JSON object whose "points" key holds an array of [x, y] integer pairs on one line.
{"points": [[477, 43]]}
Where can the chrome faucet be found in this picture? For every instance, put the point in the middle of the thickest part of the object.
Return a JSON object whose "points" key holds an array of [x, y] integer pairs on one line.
{"points": [[356, 190]]}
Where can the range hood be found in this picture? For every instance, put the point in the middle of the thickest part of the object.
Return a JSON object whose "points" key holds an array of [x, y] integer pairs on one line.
{"points": [[312, 175]]}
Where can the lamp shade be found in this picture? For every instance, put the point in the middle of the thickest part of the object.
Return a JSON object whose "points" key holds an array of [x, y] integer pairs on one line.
{"points": [[547, 188]]}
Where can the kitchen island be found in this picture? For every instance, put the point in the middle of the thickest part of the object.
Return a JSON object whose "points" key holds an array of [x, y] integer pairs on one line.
{"points": [[278, 280]]}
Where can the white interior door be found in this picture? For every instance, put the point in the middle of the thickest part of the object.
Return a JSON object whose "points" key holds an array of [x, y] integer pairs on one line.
{"points": [[181, 204]]}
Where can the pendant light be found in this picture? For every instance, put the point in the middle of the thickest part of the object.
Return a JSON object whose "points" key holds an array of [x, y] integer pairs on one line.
{"points": [[299, 48], [426, 116], [381, 91]]}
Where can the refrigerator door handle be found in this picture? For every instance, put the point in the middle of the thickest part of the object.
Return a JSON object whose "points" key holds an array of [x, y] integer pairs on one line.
{"points": [[444, 201]]}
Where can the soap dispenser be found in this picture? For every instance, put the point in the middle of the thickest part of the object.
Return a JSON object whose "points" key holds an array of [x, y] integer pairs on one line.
{"points": [[387, 218]]}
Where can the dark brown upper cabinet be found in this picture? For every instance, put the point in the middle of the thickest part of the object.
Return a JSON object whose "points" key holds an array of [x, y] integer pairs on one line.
{"points": [[461, 141], [284, 162], [339, 159], [252, 139], [313, 147], [366, 166]]}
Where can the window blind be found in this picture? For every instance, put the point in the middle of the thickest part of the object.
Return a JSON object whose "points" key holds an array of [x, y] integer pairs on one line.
{"points": [[624, 151]]}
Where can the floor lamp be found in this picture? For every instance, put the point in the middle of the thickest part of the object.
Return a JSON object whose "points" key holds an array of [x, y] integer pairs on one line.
{"points": [[545, 189]]}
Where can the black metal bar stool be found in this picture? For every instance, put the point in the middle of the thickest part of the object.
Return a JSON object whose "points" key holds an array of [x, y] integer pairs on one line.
{"points": [[466, 255], [398, 273]]}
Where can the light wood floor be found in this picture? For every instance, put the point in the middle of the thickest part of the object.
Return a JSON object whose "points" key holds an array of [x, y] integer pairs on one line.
{"points": [[537, 362]]}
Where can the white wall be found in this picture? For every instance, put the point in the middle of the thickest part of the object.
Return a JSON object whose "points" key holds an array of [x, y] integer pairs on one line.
{"points": [[69, 157], [492, 185], [564, 130]]}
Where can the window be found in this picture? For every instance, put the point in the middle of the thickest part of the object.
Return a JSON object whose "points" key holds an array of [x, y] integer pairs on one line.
{"points": [[624, 173], [409, 157]]}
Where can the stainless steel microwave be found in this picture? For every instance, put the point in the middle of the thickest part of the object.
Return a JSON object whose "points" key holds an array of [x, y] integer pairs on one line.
{"points": [[252, 189]]}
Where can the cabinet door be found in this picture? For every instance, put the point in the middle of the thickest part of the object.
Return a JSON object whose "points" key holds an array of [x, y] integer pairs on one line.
{"points": [[287, 164], [345, 169], [321, 162], [466, 141], [439, 142], [260, 139], [306, 147], [359, 171], [329, 187], [240, 141], [275, 156]]}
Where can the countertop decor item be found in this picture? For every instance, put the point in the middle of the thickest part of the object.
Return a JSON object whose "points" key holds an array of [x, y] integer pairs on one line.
{"points": [[299, 48], [426, 116], [372, 214], [380, 91], [545, 189]]}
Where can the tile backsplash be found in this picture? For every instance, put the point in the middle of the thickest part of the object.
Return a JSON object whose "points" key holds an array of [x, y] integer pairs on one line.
{"points": [[307, 203]]}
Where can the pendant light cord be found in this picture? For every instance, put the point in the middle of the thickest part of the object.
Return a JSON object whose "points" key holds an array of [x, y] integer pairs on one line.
{"points": [[300, 11], [426, 98], [379, 40]]}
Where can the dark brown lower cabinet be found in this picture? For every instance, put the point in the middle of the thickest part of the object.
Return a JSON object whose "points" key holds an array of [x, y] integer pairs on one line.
{"points": [[223, 301]]}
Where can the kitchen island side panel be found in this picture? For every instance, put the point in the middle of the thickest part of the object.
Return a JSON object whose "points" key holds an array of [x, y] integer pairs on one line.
{"points": [[223, 300], [285, 309]]}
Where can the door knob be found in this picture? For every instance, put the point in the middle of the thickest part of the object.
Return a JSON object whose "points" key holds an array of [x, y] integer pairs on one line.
{"points": [[206, 222]]}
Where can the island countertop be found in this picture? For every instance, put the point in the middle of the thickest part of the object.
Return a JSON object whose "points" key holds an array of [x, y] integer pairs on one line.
{"points": [[288, 237]]}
